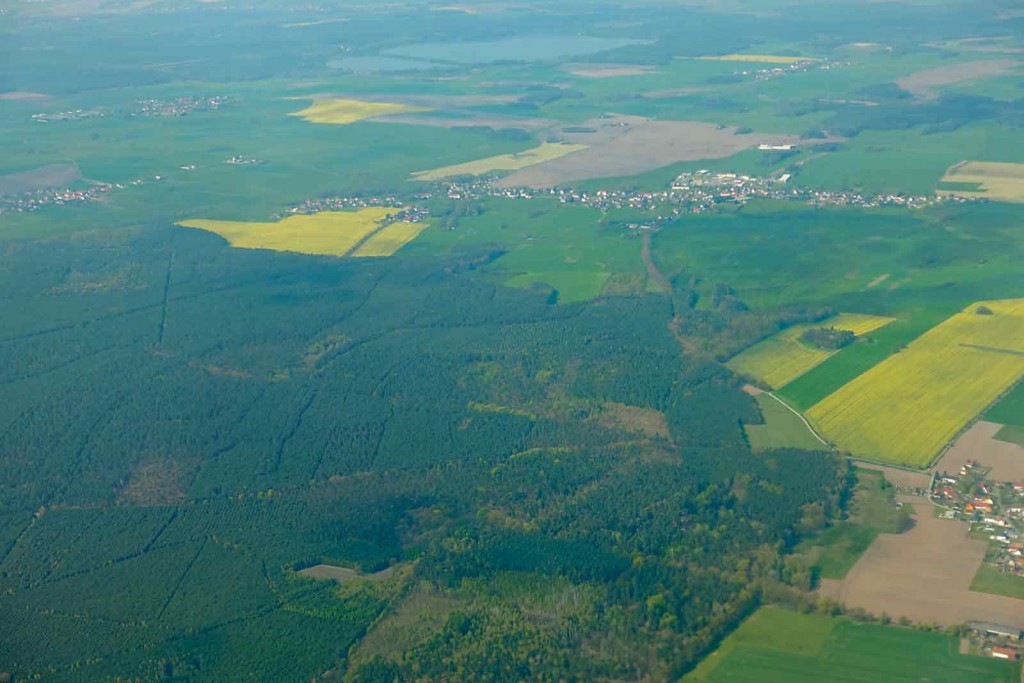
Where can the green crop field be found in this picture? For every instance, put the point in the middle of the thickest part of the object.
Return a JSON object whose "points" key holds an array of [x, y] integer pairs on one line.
{"points": [[781, 428], [989, 579], [776, 645]]}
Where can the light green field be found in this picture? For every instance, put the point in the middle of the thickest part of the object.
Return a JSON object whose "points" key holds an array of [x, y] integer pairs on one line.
{"points": [[780, 359], [780, 646], [908, 407], [989, 579], [781, 428]]}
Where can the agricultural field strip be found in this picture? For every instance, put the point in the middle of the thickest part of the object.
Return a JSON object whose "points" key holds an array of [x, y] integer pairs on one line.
{"points": [[503, 162], [908, 407], [782, 358], [995, 181]]}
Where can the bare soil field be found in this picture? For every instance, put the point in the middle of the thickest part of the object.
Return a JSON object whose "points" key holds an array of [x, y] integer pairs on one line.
{"points": [[924, 574], [923, 83], [42, 178], [628, 145], [979, 443], [607, 70]]}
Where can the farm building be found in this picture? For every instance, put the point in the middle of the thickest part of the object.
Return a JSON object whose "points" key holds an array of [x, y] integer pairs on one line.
{"points": [[991, 629], [1004, 653]]}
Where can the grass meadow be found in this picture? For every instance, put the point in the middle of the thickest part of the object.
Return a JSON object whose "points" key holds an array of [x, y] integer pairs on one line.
{"points": [[779, 646], [781, 428]]}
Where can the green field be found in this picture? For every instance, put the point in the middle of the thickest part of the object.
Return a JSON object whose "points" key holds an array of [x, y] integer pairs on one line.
{"points": [[784, 357], [781, 428], [1010, 408], [989, 579], [776, 645]]}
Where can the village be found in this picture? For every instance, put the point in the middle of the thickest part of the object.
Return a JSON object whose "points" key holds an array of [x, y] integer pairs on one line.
{"points": [[995, 511]]}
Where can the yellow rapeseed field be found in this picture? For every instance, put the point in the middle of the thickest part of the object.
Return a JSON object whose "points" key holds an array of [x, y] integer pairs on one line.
{"points": [[331, 233], [761, 59], [780, 359], [342, 111], [998, 182], [503, 162], [907, 408], [390, 239]]}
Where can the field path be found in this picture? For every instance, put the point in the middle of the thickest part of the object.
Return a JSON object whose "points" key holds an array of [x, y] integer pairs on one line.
{"points": [[802, 419]]}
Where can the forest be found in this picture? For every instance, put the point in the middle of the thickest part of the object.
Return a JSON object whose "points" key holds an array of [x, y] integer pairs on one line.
{"points": [[221, 419]]}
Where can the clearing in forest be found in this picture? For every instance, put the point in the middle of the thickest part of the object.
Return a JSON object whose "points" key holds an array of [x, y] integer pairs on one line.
{"points": [[759, 59], [330, 233], [503, 162], [341, 111], [776, 645], [781, 358], [982, 179], [907, 408]]}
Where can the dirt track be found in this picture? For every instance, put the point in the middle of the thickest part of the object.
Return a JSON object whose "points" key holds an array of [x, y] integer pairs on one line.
{"points": [[924, 575], [977, 443]]}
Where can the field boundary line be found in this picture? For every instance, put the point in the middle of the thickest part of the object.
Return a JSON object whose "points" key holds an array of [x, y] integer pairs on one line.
{"points": [[804, 420]]}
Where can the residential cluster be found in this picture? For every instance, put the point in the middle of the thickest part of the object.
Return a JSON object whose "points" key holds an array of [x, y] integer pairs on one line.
{"points": [[32, 201], [180, 106], [994, 509], [68, 115], [775, 71], [409, 214]]}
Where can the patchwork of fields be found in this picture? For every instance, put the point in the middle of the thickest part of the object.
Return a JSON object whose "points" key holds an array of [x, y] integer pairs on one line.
{"points": [[330, 233], [776, 645], [780, 359], [908, 407], [982, 179]]}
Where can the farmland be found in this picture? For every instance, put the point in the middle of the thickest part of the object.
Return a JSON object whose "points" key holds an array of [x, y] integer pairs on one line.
{"points": [[780, 359], [505, 162], [389, 239], [907, 408], [343, 112], [776, 645], [331, 233], [300, 439], [999, 182]]}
